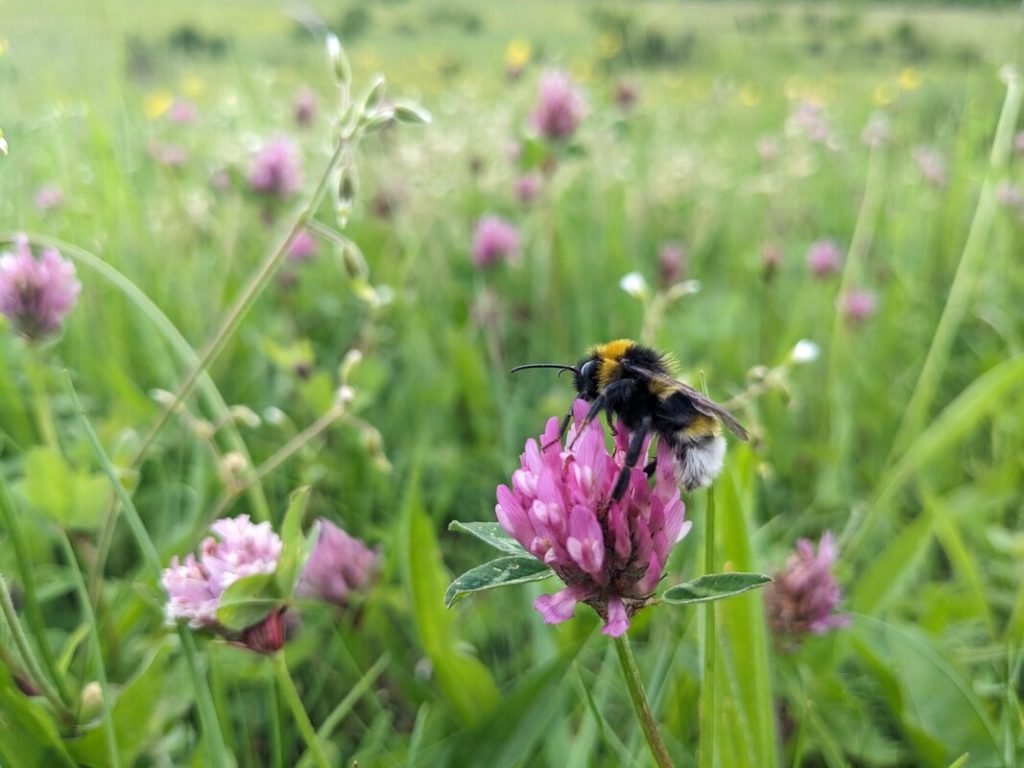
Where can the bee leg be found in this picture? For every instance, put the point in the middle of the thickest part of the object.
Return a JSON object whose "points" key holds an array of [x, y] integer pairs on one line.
{"points": [[562, 429], [636, 444], [595, 408], [651, 467], [611, 426]]}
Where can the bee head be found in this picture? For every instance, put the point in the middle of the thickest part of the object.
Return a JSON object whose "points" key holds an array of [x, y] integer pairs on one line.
{"points": [[584, 377]]}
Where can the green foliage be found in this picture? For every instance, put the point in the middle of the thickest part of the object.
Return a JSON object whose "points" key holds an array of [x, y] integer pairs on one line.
{"points": [[714, 586], [916, 467]]}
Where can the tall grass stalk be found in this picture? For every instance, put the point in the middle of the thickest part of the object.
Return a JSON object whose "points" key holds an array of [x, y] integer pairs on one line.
{"points": [[294, 701], [89, 618], [33, 612], [971, 263], [706, 747]]}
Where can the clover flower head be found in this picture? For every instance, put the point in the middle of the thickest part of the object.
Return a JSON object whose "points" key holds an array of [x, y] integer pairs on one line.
{"points": [[527, 188], [803, 598], [824, 258], [859, 305], [48, 197], [339, 565], [560, 106], [36, 294], [932, 165], [194, 587], [303, 247], [610, 554], [275, 171], [305, 106], [495, 239]]}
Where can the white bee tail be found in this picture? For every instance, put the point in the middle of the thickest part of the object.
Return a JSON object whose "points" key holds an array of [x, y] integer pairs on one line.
{"points": [[699, 462]]}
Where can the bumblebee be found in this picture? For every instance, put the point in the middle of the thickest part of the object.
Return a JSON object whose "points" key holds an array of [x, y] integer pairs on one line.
{"points": [[631, 382]]}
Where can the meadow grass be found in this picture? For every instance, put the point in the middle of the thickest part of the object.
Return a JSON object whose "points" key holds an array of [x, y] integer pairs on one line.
{"points": [[923, 490]]}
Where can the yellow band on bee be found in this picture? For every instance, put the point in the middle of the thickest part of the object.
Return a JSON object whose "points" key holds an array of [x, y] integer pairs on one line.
{"points": [[609, 355]]}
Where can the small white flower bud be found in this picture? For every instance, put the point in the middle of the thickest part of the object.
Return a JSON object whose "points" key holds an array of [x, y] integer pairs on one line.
{"points": [[352, 358], [204, 429], [635, 285], [805, 351], [92, 701], [344, 395], [245, 416], [274, 416], [339, 61], [232, 466], [162, 396]]}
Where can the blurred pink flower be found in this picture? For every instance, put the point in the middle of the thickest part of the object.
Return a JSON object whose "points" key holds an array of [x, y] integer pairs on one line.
{"points": [[610, 555], [527, 188], [803, 598], [626, 95], [338, 565], [672, 260], [305, 107], [36, 294], [182, 112], [859, 305], [560, 106], [276, 169], [768, 148], [303, 247], [194, 587], [932, 166], [876, 133], [168, 155], [771, 257], [809, 119], [1009, 195], [495, 239], [824, 258], [49, 196]]}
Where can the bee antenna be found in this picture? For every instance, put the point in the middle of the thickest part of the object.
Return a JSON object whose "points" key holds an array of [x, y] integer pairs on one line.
{"points": [[561, 368]]}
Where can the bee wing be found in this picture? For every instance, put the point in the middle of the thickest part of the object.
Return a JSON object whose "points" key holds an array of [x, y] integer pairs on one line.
{"points": [[703, 404]]}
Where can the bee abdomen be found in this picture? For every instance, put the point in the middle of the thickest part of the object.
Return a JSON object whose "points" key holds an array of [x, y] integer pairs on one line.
{"points": [[699, 460]]}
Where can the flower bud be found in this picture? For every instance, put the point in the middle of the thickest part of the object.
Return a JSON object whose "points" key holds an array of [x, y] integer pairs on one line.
{"points": [[635, 285], [339, 61], [375, 94], [411, 113], [91, 701], [352, 358], [245, 416], [805, 351]]}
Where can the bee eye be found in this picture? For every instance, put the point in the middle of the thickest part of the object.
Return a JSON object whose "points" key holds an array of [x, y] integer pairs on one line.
{"points": [[587, 369]]}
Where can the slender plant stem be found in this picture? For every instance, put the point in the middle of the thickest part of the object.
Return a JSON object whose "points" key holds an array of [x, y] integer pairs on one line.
{"points": [[706, 758], [33, 612], [41, 400], [135, 523], [291, 696], [244, 302], [215, 748], [109, 732], [42, 682], [635, 685]]}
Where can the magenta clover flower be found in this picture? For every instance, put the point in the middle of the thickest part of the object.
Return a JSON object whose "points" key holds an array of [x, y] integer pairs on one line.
{"points": [[338, 565], [560, 107], [194, 587], [276, 169], [824, 258], [494, 239], [611, 555], [36, 294], [804, 596]]}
